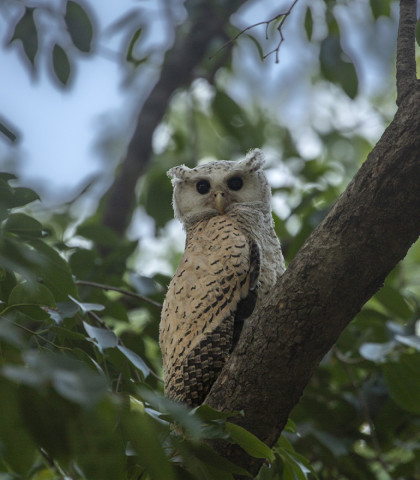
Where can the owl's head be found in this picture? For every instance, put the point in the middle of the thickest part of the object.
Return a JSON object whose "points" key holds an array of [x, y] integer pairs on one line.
{"points": [[216, 187]]}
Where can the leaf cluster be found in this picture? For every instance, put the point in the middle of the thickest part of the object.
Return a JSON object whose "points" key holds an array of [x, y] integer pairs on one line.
{"points": [[69, 34], [359, 416]]}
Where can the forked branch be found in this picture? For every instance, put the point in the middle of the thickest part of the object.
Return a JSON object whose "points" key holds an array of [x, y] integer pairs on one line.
{"points": [[280, 16]]}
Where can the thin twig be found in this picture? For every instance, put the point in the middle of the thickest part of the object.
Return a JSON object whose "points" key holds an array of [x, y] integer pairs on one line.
{"points": [[40, 334], [54, 465], [119, 290], [284, 15]]}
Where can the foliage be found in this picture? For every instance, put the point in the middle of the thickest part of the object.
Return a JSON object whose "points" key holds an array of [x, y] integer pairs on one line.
{"points": [[80, 364]]}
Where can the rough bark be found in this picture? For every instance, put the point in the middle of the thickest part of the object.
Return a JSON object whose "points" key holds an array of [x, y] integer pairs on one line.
{"points": [[343, 263], [406, 55], [206, 24]]}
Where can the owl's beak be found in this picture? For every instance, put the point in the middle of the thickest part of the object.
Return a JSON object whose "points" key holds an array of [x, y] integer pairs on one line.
{"points": [[219, 200]]}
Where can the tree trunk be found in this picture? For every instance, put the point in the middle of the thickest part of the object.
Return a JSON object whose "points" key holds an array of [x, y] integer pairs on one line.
{"points": [[342, 264]]}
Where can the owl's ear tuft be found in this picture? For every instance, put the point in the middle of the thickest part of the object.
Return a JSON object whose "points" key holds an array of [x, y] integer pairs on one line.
{"points": [[178, 173], [254, 160]]}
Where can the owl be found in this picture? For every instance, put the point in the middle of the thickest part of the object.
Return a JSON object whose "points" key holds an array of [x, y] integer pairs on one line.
{"points": [[231, 262]]}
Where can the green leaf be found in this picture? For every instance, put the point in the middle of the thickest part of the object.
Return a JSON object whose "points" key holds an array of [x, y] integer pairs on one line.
{"points": [[308, 23], [87, 307], [29, 293], [380, 7], [79, 26], [418, 32], [130, 57], [67, 334], [336, 66], [376, 352], [70, 378], [183, 417], [228, 112], [26, 32], [100, 234], [142, 433], [54, 271], [249, 442], [215, 466], [104, 338], [135, 359], [156, 197], [145, 285], [290, 426], [46, 416], [7, 284], [11, 334], [14, 197], [257, 46], [23, 225], [23, 196], [17, 448], [6, 176], [394, 302], [98, 446], [61, 64], [296, 466], [402, 379], [83, 386], [67, 309]]}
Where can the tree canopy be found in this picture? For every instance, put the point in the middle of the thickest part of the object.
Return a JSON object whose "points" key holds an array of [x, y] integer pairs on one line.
{"points": [[80, 296]]}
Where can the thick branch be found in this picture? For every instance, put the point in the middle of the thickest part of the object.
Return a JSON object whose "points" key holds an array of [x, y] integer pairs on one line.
{"points": [[406, 56], [209, 19], [343, 263]]}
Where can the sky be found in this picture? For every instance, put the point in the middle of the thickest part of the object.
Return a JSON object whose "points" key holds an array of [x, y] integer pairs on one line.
{"points": [[58, 129]]}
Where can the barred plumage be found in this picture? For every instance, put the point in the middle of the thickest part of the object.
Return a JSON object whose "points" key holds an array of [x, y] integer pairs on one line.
{"points": [[232, 259]]}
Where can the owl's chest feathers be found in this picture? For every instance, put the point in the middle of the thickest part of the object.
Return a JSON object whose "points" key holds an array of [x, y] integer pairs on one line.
{"points": [[258, 224], [212, 278]]}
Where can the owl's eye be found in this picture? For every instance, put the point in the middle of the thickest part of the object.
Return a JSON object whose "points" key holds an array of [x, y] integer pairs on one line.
{"points": [[235, 183], [203, 187]]}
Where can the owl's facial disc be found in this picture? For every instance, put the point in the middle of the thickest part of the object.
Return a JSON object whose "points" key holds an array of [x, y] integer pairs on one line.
{"points": [[216, 197]]}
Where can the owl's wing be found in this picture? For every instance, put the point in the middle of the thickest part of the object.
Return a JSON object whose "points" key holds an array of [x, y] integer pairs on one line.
{"points": [[246, 305], [212, 292]]}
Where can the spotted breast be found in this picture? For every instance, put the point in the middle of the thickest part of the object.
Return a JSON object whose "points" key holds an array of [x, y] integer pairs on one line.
{"points": [[213, 290]]}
